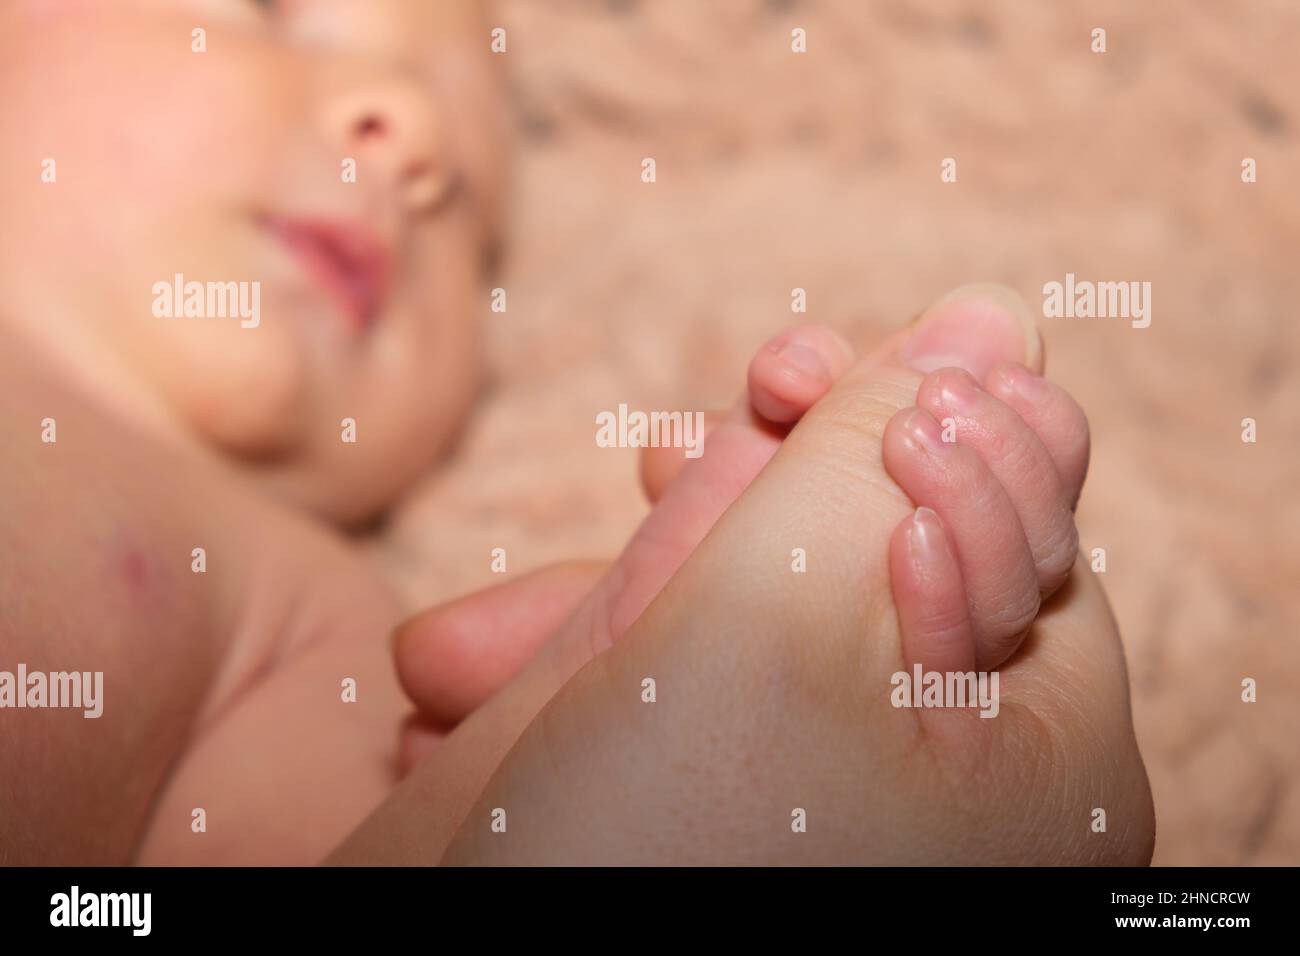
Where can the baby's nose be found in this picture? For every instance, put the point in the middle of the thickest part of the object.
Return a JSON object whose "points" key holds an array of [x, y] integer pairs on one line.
{"points": [[391, 127]]}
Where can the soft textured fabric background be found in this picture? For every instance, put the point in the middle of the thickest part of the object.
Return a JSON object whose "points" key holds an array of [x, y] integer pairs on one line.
{"points": [[821, 171]]}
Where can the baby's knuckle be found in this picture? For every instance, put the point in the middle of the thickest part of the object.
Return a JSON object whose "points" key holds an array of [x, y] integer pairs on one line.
{"points": [[1057, 555], [1012, 621]]}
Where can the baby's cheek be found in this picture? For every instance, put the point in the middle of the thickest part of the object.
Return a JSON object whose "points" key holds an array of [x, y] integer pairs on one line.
{"points": [[128, 88]]}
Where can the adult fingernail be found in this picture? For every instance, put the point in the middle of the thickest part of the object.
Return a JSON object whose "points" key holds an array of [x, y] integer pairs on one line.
{"points": [[976, 327]]}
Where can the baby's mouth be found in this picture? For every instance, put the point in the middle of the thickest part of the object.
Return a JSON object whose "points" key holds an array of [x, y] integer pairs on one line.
{"points": [[348, 261]]}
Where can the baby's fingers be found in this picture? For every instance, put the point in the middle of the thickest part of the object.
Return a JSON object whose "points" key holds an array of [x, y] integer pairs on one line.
{"points": [[785, 379], [1018, 459], [661, 466], [929, 596], [1055, 417], [453, 657], [792, 372], [983, 528]]}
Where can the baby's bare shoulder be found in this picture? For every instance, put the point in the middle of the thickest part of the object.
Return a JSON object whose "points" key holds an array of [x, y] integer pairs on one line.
{"points": [[124, 557]]}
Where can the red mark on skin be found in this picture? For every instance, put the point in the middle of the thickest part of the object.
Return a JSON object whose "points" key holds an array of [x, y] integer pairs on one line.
{"points": [[134, 568], [135, 578]]}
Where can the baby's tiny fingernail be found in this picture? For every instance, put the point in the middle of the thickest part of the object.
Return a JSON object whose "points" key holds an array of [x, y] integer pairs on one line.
{"points": [[1018, 379], [804, 359], [974, 328], [925, 540], [960, 390], [924, 431]]}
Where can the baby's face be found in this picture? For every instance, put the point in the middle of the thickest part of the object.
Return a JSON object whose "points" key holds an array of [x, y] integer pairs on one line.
{"points": [[235, 165]]}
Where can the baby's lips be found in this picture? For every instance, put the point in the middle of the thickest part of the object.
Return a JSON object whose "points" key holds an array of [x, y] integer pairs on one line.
{"points": [[975, 327]]}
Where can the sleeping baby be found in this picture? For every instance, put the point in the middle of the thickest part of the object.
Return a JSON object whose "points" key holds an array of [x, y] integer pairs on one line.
{"points": [[245, 262]]}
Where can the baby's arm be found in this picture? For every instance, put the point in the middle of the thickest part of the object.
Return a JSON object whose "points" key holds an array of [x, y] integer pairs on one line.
{"points": [[95, 577], [221, 672]]}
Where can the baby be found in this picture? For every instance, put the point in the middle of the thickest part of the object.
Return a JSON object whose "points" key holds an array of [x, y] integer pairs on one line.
{"points": [[179, 466]]}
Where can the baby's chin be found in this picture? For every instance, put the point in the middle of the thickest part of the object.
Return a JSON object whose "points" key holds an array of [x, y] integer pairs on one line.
{"points": [[349, 497], [350, 471]]}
